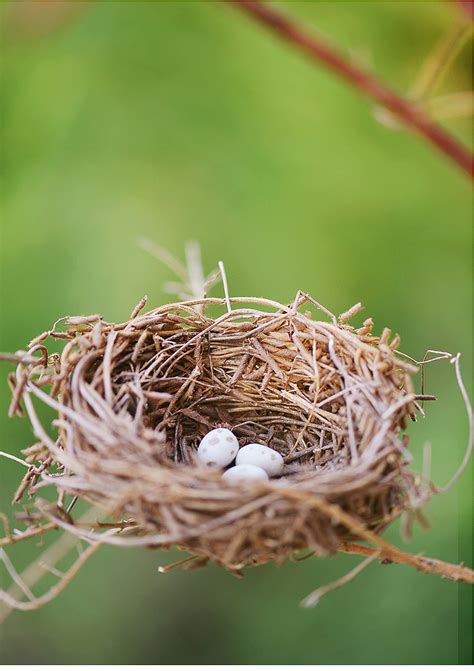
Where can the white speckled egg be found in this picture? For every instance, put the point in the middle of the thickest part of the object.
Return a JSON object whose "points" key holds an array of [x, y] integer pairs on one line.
{"points": [[218, 448], [245, 474], [261, 455]]}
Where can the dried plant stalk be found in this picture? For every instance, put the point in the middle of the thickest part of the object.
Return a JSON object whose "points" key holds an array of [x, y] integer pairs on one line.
{"points": [[412, 116]]}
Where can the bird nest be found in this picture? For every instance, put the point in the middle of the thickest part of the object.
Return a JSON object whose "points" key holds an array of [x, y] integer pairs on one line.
{"points": [[133, 400]]}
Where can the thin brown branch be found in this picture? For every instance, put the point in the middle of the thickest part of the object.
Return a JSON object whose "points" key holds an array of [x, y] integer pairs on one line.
{"points": [[456, 572], [467, 6], [10, 602], [28, 533], [383, 548], [47, 561], [411, 115], [314, 598]]}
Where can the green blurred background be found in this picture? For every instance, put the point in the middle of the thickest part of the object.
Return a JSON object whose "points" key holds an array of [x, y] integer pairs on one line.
{"points": [[179, 120]]}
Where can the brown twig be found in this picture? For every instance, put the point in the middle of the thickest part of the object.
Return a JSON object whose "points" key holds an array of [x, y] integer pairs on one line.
{"points": [[314, 597], [28, 533], [413, 116], [456, 572], [467, 6]]}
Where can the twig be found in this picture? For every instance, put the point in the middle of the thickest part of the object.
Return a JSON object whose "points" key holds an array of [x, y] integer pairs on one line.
{"points": [[196, 279], [410, 114], [14, 458], [32, 575], [10, 602], [14, 575], [165, 257], [469, 448], [385, 549], [28, 533], [226, 286], [313, 599], [456, 572], [18, 357], [175, 564], [467, 6]]}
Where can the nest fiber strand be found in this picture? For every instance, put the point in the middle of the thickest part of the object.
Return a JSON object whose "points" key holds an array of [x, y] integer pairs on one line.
{"points": [[134, 399]]}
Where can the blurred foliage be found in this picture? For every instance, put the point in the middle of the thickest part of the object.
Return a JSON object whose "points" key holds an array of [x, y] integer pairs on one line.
{"points": [[179, 120]]}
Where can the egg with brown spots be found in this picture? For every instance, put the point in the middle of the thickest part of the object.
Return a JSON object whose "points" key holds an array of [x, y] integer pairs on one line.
{"points": [[245, 474], [218, 448], [260, 455]]}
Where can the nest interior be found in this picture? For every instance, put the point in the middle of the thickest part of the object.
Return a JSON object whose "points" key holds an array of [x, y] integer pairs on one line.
{"points": [[134, 399]]}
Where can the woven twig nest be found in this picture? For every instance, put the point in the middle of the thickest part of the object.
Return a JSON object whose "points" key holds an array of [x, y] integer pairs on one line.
{"points": [[132, 402], [134, 399]]}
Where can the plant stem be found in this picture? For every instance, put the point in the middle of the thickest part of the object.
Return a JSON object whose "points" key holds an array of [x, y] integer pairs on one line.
{"points": [[456, 572], [467, 6], [410, 114]]}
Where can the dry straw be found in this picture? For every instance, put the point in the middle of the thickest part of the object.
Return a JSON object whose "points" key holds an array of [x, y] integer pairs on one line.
{"points": [[132, 400]]}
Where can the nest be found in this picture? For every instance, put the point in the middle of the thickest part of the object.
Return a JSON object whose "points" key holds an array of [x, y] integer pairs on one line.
{"points": [[134, 399]]}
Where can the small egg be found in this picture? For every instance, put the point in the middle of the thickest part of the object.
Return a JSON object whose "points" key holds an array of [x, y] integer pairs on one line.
{"points": [[245, 474], [261, 455], [218, 448]]}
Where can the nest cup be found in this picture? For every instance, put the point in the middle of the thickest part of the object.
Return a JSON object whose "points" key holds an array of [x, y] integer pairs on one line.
{"points": [[135, 399]]}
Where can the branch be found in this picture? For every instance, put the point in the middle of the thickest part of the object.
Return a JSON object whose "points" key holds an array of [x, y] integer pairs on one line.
{"points": [[456, 572], [411, 115], [29, 533], [10, 602], [467, 6], [384, 549]]}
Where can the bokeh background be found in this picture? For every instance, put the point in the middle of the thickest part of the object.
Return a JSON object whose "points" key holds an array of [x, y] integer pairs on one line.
{"points": [[186, 120]]}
